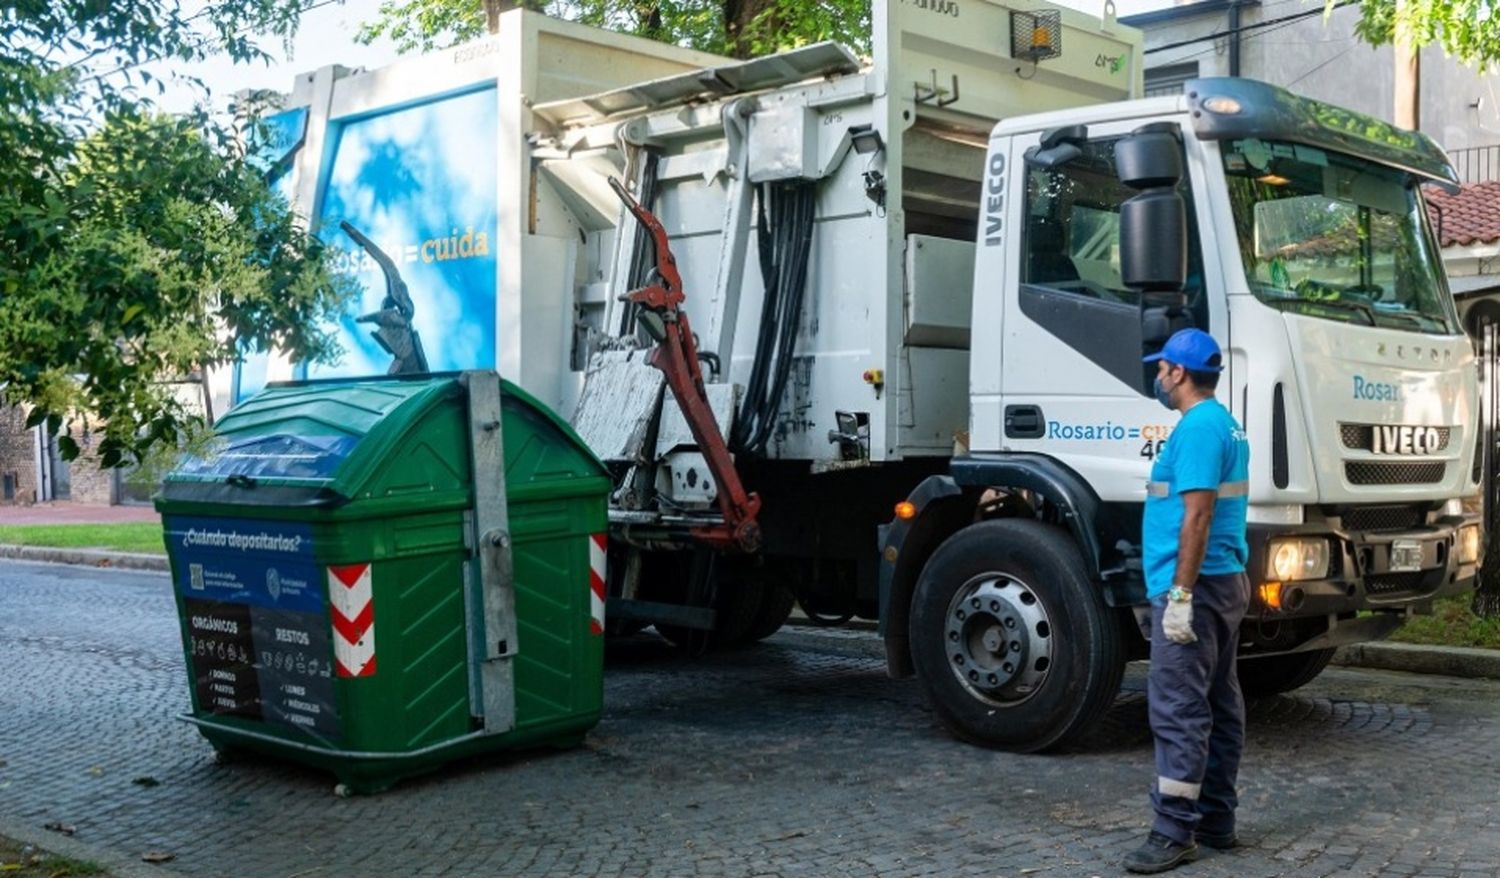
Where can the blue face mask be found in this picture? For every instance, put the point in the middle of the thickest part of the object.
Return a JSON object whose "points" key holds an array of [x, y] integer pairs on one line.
{"points": [[1163, 395]]}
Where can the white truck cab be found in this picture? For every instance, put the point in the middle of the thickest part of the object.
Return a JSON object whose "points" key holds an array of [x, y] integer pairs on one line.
{"points": [[1296, 234]]}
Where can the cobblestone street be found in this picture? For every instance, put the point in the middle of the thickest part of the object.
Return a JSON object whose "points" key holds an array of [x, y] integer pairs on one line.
{"points": [[779, 760]]}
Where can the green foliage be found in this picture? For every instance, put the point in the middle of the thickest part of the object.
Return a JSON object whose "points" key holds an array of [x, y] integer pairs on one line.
{"points": [[135, 247], [134, 536], [1452, 623], [742, 28], [1466, 29]]}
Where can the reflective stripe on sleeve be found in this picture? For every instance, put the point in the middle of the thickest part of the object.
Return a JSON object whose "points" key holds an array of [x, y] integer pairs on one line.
{"points": [[1225, 489]]}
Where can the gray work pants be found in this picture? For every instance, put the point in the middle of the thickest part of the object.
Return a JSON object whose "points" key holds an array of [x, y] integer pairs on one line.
{"points": [[1198, 713]]}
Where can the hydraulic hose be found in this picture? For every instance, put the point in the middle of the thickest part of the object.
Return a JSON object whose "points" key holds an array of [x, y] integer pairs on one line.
{"points": [[785, 215]]}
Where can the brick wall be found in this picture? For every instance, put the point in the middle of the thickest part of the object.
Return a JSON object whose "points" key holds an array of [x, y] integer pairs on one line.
{"points": [[89, 483], [17, 454]]}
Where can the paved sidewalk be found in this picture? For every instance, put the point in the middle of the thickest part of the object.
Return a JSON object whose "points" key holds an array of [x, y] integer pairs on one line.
{"points": [[65, 512], [784, 760]]}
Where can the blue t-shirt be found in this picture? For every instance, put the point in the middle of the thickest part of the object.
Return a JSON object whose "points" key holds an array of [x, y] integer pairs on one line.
{"points": [[1207, 451]]}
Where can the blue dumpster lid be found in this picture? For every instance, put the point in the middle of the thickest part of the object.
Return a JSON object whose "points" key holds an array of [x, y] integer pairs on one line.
{"points": [[312, 443], [327, 443]]}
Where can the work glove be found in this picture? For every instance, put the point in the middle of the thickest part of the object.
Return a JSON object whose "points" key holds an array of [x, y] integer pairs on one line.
{"points": [[1177, 621]]}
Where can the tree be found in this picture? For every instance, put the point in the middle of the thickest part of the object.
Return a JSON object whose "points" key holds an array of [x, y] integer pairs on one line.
{"points": [[740, 28], [136, 248], [1466, 29]]}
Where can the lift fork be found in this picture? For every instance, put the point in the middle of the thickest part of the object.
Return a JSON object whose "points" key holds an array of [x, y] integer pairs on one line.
{"points": [[676, 355]]}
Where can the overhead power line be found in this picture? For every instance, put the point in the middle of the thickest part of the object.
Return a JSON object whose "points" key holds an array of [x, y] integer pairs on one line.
{"points": [[1249, 28]]}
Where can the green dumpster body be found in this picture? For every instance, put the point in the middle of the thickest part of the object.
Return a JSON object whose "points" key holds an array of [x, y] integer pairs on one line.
{"points": [[329, 596]]}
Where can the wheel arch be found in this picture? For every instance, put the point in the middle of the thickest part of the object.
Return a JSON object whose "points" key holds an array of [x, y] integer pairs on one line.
{"points": [[946, 504]]}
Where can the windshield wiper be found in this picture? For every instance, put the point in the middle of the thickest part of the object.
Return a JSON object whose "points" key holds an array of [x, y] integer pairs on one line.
{"points": [[1344, 304], [1422, 321]]}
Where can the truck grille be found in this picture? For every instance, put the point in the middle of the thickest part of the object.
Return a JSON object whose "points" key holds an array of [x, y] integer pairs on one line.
{"points": [[1383, 517], [1359, 437], [1394, 585], [1366, 472]]}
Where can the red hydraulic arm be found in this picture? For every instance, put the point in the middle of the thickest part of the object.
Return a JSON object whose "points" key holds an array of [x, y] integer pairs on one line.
{"points": [[676, 355]]}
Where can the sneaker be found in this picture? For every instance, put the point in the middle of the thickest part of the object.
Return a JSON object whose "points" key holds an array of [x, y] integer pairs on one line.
{"points": [[1159, 854], [1219, 841]]}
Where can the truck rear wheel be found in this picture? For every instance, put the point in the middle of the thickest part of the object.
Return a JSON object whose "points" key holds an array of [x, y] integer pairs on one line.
{"points": [[776, 603], [1012, 643], [1282, 673], [736, 602]]}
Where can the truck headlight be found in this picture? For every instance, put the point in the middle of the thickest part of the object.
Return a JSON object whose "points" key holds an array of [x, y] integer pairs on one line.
{"points": [[1290, 560], [1469, 542]]}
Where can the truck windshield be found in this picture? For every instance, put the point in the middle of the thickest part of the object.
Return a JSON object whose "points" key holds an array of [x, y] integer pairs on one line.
{"points": [[1334, 236]]}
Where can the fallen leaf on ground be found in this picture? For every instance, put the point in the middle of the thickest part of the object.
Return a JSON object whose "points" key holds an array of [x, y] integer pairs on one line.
{"points": [[158, 857], [146, 782], [58, 826]]}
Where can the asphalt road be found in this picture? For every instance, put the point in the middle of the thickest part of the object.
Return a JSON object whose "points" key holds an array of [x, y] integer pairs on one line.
{"points": [[778, 760]]}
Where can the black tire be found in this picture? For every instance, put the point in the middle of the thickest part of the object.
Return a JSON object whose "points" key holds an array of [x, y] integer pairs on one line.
{"points": [[737, 601], [1064, 620], [1281, 673], [776, 603], [737, 598]]}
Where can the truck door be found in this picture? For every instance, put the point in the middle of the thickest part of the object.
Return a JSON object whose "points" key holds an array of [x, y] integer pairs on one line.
{"points": [[1073, 385]]}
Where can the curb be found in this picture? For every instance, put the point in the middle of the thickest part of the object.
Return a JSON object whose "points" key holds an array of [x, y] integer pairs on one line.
{"points": [[86, 557], [1444, 661], [65, 846]]}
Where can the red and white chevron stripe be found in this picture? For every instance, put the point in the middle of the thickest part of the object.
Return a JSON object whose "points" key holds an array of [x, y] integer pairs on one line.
{"points": [[353, 611], [597, 544]]}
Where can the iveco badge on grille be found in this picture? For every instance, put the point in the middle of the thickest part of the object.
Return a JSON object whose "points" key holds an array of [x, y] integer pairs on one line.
{"points": [[1406, 440]]}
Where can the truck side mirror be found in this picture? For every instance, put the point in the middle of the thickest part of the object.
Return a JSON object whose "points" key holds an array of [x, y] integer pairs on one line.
{"points": [[1153, 223], [1058, 146]]}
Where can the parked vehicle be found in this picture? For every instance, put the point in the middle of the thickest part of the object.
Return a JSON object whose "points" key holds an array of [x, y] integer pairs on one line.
{"points": [[920, 288]]}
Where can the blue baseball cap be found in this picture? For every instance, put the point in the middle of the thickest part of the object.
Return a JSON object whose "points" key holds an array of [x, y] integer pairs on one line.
{"points": [[1192, 349]]}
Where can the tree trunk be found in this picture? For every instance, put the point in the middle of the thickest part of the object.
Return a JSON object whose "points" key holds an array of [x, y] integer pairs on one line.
{"points": [[648, 17], [740, 24], [1408, 109]]}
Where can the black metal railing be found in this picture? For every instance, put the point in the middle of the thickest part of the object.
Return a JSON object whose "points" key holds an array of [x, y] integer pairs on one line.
{"points": [[1477, 164]]}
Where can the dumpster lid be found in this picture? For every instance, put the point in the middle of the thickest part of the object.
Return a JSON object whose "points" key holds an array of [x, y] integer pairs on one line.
{"points": [[307, 443]]}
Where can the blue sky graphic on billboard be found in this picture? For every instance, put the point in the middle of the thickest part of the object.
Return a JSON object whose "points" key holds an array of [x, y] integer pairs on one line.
{"points": [[419, 182]]}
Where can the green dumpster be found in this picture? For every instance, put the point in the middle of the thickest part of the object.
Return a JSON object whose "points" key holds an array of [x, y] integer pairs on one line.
{"points": [[364, 587]]}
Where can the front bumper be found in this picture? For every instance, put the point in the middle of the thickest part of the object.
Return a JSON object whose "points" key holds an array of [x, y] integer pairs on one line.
{"points": [[1362, 575]]}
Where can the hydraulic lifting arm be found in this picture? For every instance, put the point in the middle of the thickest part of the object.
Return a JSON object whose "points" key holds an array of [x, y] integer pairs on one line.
{"points": [[676, 355]]}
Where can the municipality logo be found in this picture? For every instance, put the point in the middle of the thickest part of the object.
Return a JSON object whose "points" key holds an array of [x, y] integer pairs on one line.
{"points": [[273, 583]]}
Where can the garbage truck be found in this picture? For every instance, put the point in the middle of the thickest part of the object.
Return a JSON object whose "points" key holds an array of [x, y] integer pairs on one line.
{"points": [[920, 289], [866, 334]]}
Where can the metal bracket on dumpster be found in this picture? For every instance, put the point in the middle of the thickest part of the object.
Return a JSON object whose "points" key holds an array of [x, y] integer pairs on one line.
{"points": [[496, 605]]}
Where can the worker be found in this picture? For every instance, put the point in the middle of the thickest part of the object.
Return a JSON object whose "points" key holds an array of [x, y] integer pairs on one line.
{"points": [[1194, 553]]}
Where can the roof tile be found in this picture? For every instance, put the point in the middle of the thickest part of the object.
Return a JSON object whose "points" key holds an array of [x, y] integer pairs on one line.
{"points": [[1470, 217]]}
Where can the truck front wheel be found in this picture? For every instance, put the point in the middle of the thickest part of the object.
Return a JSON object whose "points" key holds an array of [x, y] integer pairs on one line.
{"points": [[1012, 643]]}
